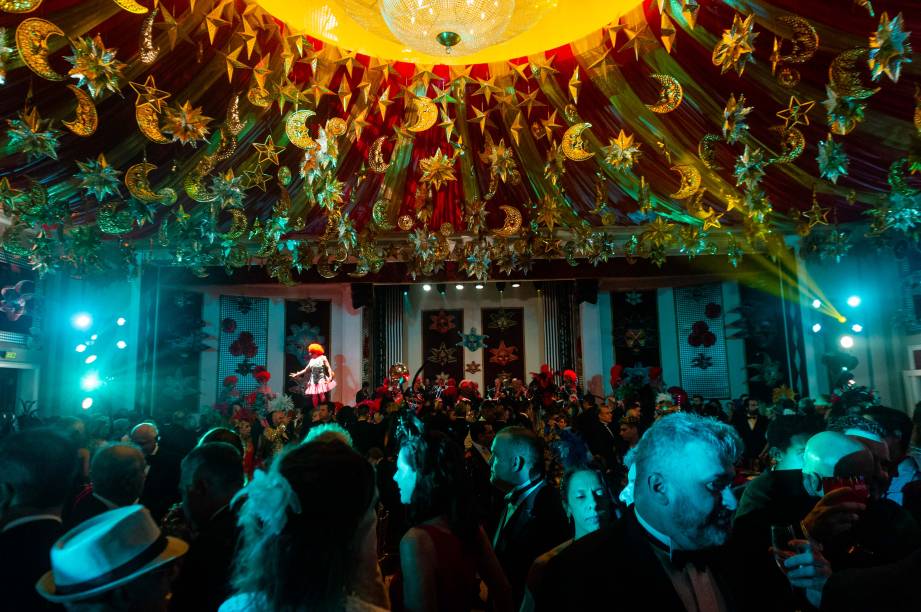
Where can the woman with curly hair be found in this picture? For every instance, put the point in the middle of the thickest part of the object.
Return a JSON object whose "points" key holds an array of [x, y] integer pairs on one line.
{"points": [[320, 378], [446, 549], [308, 534]]}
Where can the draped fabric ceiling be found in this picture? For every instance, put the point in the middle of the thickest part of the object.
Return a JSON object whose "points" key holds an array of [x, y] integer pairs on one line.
{"points": [[634, 142]]}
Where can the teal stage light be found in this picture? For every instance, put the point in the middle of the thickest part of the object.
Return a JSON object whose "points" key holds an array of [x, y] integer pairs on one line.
{"points": [[87, 403], [846, 342], [426, 287], [120, 321], [90, 382], [856, 328], [121, 344], [90, 359], [817, 327], [853, 301], [80, 348], [817, 304], [82, 320]]}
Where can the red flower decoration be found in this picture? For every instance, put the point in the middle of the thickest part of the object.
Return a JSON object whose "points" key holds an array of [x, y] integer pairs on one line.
{"points": [[230, 381], [228, 325], [708, 339], [713, 310]]}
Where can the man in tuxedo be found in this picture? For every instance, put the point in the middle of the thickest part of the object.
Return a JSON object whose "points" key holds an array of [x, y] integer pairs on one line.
{"points": [[667, 553], [116, 479], [532, 520], [478, 458], [601, 435], [161, 487], [211, 475], [37, 469], [751, 426]]}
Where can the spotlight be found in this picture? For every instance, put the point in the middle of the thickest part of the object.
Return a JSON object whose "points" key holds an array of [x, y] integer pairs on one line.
{"points": [[459, 287], [82, 320], [93, 337], [500, 286], [442, 288], [90, 359], [80, 348], [515, 285], [816, 304], [121, 344], [120, 321], [853, 301], [90, 382], [846, 342], [817, 327], [856, 328], [478, 286], [87, 403], [426, 287]]}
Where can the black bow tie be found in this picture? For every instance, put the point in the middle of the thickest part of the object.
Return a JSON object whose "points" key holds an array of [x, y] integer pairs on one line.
{"points": [[679, 559]]}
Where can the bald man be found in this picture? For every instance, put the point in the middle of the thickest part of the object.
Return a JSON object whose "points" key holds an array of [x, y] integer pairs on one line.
{"points": [[161, 489]]}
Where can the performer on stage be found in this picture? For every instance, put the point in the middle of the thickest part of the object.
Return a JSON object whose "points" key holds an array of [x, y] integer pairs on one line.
{"points": [[320, 376]]}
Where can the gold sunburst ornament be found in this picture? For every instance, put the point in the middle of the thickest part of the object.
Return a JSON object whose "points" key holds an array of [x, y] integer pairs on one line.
{"points": [[95, 67], [622, 152], [736, 46], [437, 170], [186, 124]]}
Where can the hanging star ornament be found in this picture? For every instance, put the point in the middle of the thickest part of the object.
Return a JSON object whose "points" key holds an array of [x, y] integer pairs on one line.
{"points": [[268, 151], [622, 153], [890, 47], [472, 368], [735, 123], [501, 160], [7, 53], [503, 354], [832, 160], [737, 45], [749, 168], [94, 66], [437, 170], [796, 113], [149, 95], [816, 215], [32, 135], [472, 341], [98, 178], [185, 124]]}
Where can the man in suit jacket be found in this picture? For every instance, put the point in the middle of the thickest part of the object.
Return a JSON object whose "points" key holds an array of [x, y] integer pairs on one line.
{"points": [[532, 520], [667, 553], [161, 488], [37, 468], [752, 427], [116, 480], [211, 475]]}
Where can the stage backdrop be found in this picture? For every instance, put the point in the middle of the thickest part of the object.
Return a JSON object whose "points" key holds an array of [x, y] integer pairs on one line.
{"points": [[242, 346], [440, 337], [702, 341], [636, 328], [505, 353], [306, 321]]}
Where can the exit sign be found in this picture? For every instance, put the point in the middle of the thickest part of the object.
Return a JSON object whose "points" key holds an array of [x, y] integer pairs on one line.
{"points": [[8, 355]]}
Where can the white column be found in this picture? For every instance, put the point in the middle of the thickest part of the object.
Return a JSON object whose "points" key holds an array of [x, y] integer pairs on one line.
{"points": [[668, 337]]}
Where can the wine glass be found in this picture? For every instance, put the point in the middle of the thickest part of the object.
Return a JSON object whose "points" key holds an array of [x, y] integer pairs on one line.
{"points": [[781, 536]]}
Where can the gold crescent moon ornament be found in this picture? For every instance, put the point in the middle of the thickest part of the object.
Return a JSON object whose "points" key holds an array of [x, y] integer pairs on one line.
{"points": [[139, 185], [19, 6], [149, 123], [706, 150], [572, 143], [379, 215], [327, 271], [805, 39], [512, 224], [376, 156], [669, 97], [131, 6], [32, 41], [87, 119], [296, 129], [426, 114], [259, 96], [792, 143], [238, 226], [690, 181]]}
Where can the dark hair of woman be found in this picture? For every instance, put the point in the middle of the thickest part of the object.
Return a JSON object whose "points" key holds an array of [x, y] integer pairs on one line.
{"points": [[443, 486], [574, 468], [309, 564]]}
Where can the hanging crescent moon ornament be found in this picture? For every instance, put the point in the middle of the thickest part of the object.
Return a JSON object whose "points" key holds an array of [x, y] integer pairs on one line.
{"points": [[238, 226], [149, 124], [131, 6], [572, 143], [259, 96], [296, 129], [669, 97], [19, 6], [379, 215], [845, 78], [139, 185], [690, 181], [86, 120], [32, 41], [376, 156], [326, 271], [706, 150], [792, 144], [426, 114], [512, 224], [805, 39]]}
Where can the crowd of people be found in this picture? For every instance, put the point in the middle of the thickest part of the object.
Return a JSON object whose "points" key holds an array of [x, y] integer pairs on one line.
{"points": [[426, 496]]}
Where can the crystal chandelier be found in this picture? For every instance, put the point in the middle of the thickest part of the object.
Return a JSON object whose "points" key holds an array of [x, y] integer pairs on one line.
{"points": [[448, 26]]}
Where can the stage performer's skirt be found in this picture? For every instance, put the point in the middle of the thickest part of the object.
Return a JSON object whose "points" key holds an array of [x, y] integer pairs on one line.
{"points": [[321, 387]]}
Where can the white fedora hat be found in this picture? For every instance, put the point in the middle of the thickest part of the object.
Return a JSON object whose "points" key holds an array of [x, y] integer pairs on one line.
{"points": [[105, 552]]}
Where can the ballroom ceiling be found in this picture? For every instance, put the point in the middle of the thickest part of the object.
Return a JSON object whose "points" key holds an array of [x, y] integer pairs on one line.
{"points": [[213, 135]]}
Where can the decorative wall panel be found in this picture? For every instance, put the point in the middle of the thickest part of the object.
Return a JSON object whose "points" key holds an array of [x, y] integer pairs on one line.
{"points": [[702, 341]]}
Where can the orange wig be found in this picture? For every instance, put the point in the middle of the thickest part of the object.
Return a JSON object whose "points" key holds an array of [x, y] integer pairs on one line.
{"points": [[315, 348]]}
